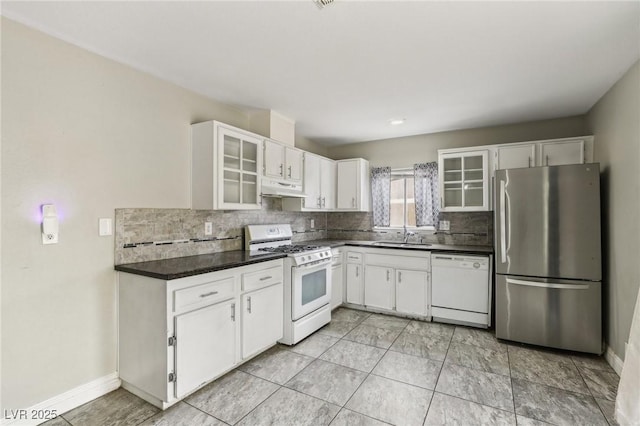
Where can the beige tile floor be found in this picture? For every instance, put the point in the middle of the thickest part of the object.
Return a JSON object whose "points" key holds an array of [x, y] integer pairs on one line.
{"points": [[370, 369]]}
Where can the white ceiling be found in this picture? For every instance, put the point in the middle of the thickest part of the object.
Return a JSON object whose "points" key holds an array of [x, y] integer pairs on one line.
{"points": [[343, 72]]}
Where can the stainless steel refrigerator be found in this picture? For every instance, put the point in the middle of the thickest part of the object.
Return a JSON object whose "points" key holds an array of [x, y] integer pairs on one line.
{"points": [[548, 256]]}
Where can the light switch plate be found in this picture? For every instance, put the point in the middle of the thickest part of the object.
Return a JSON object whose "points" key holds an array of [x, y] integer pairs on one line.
{"points": [[313, 224], [208, 228], [444, 225], [105, 226]]}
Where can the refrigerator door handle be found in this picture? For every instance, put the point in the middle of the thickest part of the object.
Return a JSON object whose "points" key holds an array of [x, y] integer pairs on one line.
{"points": [[548, 285], [503, 225]]}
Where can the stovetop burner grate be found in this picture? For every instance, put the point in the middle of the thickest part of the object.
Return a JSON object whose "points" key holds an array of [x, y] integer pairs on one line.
{"points": [[290, 249]]}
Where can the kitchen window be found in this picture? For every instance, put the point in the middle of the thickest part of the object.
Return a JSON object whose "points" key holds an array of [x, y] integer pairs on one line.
{"points": [[403, 203], [395, 201]]}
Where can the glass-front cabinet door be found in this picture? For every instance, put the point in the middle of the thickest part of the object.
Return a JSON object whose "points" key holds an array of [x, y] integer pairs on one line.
{"points": [[238, 183], [464, 181]]}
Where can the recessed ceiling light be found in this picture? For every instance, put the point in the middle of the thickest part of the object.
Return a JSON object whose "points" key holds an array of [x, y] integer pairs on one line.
{"points": [[322, 3], [397, 121]]}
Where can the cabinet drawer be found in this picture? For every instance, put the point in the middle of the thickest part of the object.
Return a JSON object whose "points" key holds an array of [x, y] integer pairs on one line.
{"points": [[336, 256], [354, 257], [202, 294], [263, 278]]}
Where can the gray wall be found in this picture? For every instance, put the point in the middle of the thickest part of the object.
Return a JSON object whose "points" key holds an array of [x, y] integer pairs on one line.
{"points": [[89, 135], [403, 152], [615, 122]]}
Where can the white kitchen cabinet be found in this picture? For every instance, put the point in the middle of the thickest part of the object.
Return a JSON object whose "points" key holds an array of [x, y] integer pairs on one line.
{"points": [[553, 152], [353, 185], [464, 180], [515, 156], [557, 153], [412, 292], [282, 162], [225, 166], [328, 172], [207, 345], [262, 319], [319, 185], [293, 160], [337, 278], [354, 278], [397, 280], [379, 287], [177, 335]]}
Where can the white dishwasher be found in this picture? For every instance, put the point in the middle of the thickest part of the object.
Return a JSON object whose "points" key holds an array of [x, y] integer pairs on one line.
{"points": [[460, 290]]}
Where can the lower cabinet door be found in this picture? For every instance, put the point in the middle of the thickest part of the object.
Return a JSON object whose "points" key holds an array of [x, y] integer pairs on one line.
{"points": [[412, 291], [336, 286], [262, 319], [354, 284], [205, 345], [379, 288]]}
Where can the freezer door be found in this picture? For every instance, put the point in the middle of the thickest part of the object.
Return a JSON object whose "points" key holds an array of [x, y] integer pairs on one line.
{"points": [[548, 222], [560, 314]]}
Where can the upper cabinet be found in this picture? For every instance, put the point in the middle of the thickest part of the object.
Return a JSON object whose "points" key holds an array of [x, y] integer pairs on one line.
{"points": [[319, 185], [282, 162], [464, 180], [564, 152], [353, 185], [515, 156], [465, 173], [225, 165], [554, 152]]}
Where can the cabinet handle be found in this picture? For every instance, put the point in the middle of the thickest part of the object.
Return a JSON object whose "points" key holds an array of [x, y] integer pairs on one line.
{"points": [[319, 202], [441, 203], [399, 277], [388, 275], [211, 293], [268, 277], [546, 160], [323, 200], [289, 171], [353, 201], [529, 161], [249, 304], [357, 271], [281, 167], [233, 312]]}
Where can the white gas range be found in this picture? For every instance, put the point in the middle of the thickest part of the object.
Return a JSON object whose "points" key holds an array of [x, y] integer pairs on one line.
{"points": [[307, 279]]}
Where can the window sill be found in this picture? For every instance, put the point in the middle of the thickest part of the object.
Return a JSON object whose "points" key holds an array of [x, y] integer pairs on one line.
{"points": [[400, 229]]}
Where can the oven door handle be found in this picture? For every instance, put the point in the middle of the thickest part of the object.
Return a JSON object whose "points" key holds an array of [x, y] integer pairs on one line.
{"points": [[317, 263]]}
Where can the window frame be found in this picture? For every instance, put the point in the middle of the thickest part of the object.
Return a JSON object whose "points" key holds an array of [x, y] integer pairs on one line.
{"points": [[404, 173]]}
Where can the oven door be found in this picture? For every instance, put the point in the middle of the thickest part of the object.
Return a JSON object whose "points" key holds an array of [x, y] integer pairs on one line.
{"points": [[310, 287]]}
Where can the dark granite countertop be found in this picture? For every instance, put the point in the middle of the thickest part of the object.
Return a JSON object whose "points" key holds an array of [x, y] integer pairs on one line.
{"points": [[431, 247], [180, 267]]}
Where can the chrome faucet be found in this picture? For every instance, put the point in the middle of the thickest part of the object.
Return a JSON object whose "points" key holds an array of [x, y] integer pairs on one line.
{"points": [[407, 234]]}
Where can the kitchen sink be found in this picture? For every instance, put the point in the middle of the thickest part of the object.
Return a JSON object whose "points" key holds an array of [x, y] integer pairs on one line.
{"points": [[400, 244]]}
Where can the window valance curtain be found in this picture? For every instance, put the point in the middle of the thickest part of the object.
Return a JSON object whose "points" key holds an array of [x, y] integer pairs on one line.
{"points": [[426, 194], [381, 195]]}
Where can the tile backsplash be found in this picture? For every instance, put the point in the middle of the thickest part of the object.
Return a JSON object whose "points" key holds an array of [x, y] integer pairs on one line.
{"points": [[466, 228], [151, 234]]}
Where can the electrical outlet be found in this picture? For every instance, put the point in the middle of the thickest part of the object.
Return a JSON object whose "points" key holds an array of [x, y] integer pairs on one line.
{"points": [[444, 225], [208, 228], [313, 224]]}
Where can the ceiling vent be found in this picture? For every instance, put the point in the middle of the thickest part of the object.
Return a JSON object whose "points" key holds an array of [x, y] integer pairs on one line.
{"points": [[322, 3]]}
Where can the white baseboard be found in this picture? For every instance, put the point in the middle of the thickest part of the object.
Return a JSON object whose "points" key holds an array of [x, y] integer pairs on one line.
{"points": [[614, 360], [64, 402]]}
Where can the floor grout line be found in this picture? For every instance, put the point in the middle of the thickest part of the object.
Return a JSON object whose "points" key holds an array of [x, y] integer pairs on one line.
{"points": [[566, 359]]}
